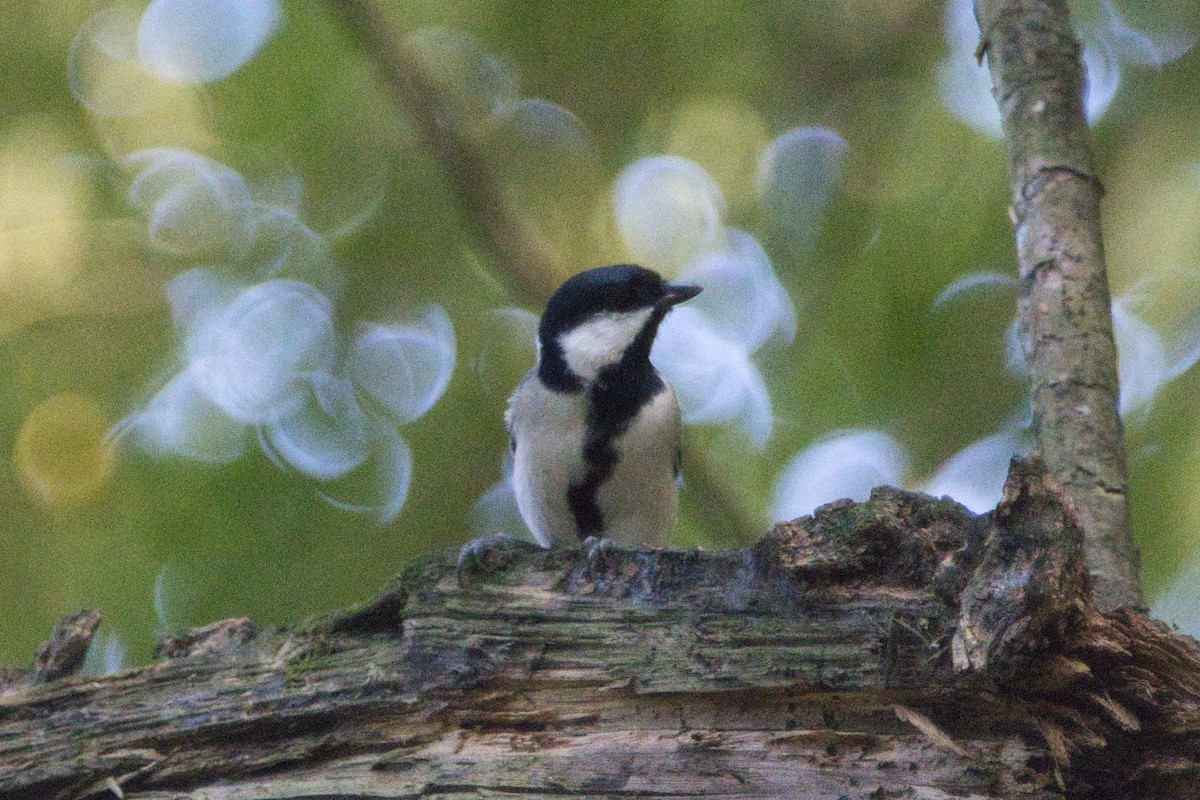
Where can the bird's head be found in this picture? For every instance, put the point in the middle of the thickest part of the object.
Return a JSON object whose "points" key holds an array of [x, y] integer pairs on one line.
{"points": [[600, 317]]}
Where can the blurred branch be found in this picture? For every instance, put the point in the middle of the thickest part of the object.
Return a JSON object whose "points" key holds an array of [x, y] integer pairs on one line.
{"points": [[516, 246], [1064, 303], [513, 240]]}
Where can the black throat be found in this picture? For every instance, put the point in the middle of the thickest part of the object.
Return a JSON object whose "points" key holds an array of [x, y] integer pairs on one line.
{"points": [[553, 370]]}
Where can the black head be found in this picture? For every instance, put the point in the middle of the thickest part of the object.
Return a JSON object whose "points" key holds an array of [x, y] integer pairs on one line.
{"points": [[624, 287], [604, 292]]}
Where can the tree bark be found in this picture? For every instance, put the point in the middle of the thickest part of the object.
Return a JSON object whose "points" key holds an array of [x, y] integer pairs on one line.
{"points": [[901, 647], [1063, 302]]}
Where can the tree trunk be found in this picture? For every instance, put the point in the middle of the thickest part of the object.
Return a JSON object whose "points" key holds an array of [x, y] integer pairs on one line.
{"points": [[901, 647], [1063, 299]]}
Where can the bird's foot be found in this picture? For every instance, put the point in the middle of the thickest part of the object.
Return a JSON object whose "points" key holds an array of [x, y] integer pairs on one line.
{"points": [[486, 555], [595, 550]]}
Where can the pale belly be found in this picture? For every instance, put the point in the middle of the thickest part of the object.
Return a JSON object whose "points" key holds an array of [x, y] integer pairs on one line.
{"points": [[544, 467], [638, 500]]}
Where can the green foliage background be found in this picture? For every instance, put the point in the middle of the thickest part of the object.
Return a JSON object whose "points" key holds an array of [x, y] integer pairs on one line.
{"points": [[924, 199]]}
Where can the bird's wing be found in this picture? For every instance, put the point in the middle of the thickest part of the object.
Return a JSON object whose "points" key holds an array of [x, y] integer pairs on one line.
{"points": [[678, 462], [510, 421]]}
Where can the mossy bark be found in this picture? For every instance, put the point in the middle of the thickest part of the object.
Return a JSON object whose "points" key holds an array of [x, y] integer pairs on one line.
{"points": [[901, 647]]}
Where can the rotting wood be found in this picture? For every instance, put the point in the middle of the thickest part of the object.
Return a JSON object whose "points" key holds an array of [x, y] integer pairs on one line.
{"points": [[896, 648], [63, 653]]}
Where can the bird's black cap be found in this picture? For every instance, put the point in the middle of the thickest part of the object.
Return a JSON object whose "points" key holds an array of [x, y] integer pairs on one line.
{"points": [[622, 287]]}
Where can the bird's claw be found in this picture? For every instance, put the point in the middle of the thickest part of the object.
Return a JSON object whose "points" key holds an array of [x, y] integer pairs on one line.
{"points": [[595, 549], [486, 555]]}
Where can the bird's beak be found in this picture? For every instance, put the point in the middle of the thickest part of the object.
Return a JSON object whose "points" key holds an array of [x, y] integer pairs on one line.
{"points": [[677, 293]]}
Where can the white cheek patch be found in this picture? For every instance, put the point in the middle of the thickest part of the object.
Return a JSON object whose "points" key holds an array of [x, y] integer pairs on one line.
{"points": [[601, 340]]}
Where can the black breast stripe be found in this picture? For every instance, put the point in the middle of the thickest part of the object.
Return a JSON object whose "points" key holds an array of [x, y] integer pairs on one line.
{"points": [[614, 398]]}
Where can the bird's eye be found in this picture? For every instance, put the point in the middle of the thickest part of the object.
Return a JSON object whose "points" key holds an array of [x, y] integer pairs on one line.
{"points": [[644, 290]]}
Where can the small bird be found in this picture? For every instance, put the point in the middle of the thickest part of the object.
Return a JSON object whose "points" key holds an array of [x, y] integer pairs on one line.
{"points": [[595, 428]]}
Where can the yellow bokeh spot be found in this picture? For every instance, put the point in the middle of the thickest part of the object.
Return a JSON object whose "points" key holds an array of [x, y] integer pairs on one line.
{"points": [[175, 116], [41, 203], [61, 453], [723, 135]]}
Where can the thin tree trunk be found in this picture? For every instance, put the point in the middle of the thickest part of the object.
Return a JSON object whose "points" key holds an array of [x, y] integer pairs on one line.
{"points": [[1063, 303]]}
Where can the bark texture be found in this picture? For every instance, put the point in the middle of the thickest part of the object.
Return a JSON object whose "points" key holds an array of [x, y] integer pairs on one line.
{"points": [[1063, 302], [899, 648]]}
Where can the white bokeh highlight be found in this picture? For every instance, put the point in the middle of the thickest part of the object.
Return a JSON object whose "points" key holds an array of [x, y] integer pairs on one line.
{"points": [[480, 87], [1138, 48], [969, 283], [743, 299], [975, 475], [103, 70], [326, 436], [120, 60], [844, 464], [496, 510], [107, 655], [798, 174], [547, 131], [1142, 367], [667, 210], [200, 210], [201, 41], [1177, 605], [1109, 44], [966, 86], [393, 474], [1146, 359], [260, 357], [405, 368], [1101, 79], [848, 464], [713, 376], [195, 206], [180, 421], [253, 357]]}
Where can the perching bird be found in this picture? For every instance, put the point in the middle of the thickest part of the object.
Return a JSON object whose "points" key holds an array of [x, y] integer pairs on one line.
{"points": [[595, 428]]}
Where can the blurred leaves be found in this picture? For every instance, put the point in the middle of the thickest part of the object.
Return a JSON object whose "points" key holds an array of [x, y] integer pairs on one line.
{"points": [[281, 160]]}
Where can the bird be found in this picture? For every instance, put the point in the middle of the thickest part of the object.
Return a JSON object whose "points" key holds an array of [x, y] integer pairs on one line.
{"points": [[594, 427]]}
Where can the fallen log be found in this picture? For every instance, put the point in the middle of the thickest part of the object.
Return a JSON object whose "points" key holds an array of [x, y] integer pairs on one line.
{"points": [[897, 648]]}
